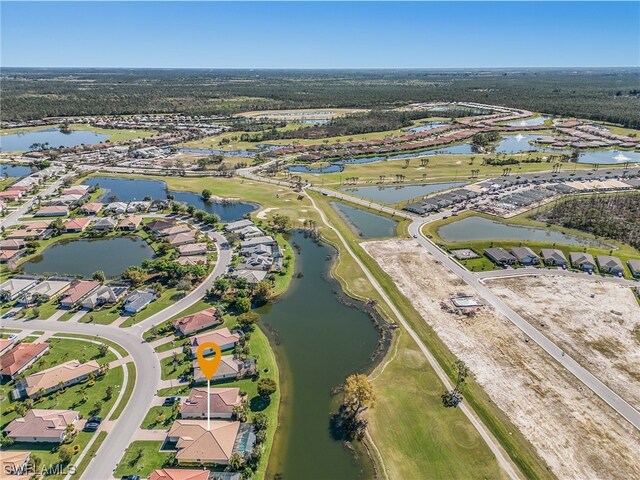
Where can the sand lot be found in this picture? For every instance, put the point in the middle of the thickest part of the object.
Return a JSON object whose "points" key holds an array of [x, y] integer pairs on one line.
{"points": [[594, 322], [578, 435]]}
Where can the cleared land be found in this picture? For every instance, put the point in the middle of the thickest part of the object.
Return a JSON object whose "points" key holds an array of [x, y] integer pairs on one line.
{"points": [[596, 323], [573, 431]]}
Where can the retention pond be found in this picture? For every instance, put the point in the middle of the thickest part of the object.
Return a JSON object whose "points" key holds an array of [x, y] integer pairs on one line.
{"points": [[320, 337]]}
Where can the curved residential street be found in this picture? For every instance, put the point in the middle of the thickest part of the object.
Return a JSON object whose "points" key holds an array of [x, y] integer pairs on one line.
{"points": [[144, 357]]}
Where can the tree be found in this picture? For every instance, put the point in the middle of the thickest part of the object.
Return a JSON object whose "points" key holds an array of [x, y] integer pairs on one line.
{"points": [[358, 394], [281, 222], [108, 393], [97, 407], [99, 276], [236, 462], [260, 421], [453, 398], [103, 349], [221, 285], [266, 387], [247, 320], [243, 304], [262, 293], [206, 194], [240, 412], [65, 453], [135, 275]]}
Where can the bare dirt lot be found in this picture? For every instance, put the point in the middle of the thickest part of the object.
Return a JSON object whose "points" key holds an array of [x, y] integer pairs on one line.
{"points": [[578, 435], [594, 322]]}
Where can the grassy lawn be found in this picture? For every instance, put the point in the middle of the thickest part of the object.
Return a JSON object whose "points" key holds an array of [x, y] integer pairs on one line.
{"points": [[131, 383], [169, 414], [104, 316], [113, 345], [174, 391], [82, 466], [63, 350], [67, 315], [427, 437], [172, 344], [141, 458], [81, 397], [169, 370]]}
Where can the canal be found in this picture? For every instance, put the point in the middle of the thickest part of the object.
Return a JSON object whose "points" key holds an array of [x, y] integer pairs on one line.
{"points": [[320, 337]]}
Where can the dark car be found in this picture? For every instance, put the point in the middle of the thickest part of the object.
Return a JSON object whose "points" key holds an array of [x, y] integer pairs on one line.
{"points": [[91, 427], [168, 402], [131, 477], [97, 420]]}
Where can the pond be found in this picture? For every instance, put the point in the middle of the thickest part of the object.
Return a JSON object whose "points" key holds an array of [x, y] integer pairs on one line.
{"points": [[397, 194], [519, 143], [20, 142], [14, 171], [609, 157], [84, 256], [528, 122], [319, 341], [479, 228], [426, 127], [364, 223], [130, 189]]}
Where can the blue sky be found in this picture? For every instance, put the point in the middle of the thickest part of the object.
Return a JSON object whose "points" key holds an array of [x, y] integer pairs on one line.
{"points": [[320, 35]]}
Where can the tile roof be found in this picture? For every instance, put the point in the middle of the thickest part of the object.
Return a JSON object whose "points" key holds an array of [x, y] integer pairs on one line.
{"points": [[222, 401], [20, 355], [42, 423]]}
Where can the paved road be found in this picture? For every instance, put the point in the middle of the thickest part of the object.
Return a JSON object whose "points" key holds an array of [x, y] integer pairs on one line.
{"points": [[531, 271], [146, 362], [605, 393], [12, 219]]}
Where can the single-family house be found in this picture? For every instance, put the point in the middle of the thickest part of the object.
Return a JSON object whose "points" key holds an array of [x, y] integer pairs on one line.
{"points": [[181, 239], [582, 261], [500, 256], [91, 208], [139, 299], [13, 244], [174, 230], [250, 232], [261, 240], [104, 223], [193, 249], [5, 343], [253, 277], [37, 225], [28, 234], [130, 223], [609, 264], [197, 444], [160, 224], [105, 294], [8, 256], [76, 225], [54, 378], [20, 357], [237, 225], [223, 337], [116, 207], [47, 288], [634, 267], [195, 322], [222, 400], [553, 257], [525, 255], [15, 465], [11, 195], [42, 426], [230, 367], [15, 286], [52, 211], [66, 200], [77, 190], [192, 260], [180, 474], [77, 291]]}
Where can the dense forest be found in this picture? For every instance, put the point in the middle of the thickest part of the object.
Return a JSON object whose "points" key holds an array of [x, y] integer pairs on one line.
{"points": [[604, 94], [611, 216]]}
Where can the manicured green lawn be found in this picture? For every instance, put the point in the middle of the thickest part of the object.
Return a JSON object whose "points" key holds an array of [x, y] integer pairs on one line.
{"points": [[131, 383], [104, 316], [172, 344], [174, 391], [113, 345], [169, 370], [82, 466], [141, 458], [169, 414]]}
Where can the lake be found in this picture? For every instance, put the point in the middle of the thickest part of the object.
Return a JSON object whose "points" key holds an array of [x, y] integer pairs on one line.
{"points": [[53, 136], [318, 341], [528, 122], [85, 256], [609, 157], [401, 193], [479, 228], [14, 171], [364, 223], [426, 127], [519, 143], [130, 189]]}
